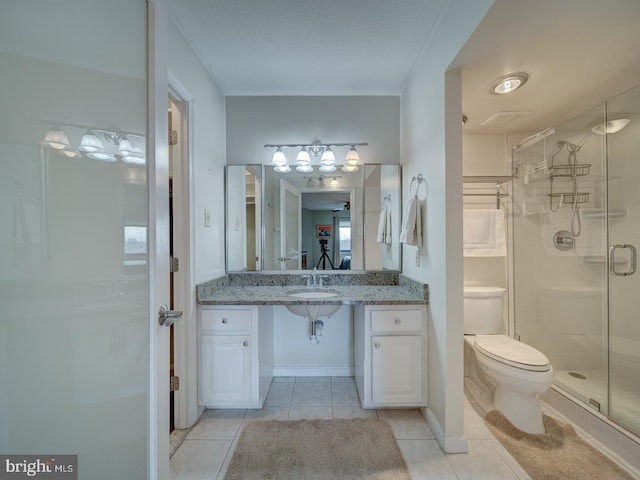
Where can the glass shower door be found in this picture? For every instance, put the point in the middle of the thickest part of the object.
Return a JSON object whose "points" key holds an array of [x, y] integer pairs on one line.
{"points": [[624, 238], [74, 280]]}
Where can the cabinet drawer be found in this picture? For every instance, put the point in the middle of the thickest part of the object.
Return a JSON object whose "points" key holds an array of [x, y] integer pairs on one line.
{"points": [[396, 321], [226, 321]]}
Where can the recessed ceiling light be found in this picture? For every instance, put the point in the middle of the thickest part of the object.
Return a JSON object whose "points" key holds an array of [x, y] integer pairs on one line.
{"points": [[508, 83]]}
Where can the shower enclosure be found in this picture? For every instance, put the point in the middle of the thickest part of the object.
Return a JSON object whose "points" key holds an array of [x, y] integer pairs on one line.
{"points": [[576, 227]]}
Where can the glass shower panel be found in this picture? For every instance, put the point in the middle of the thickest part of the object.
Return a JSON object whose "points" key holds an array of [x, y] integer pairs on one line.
{"points": [[74, 328], [559, 248], [624, 238]]}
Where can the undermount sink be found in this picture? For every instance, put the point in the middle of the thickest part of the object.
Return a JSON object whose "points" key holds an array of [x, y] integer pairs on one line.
{"points": [[311, 293], [313, 310]]}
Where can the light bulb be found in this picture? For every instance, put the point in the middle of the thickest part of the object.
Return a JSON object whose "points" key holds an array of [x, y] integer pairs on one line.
{"points": [[352, 156], [282, 169], [328, 158], [90, 143], [303, 157], [279, 158], [56, 138], [304, 168], [327, 168]]}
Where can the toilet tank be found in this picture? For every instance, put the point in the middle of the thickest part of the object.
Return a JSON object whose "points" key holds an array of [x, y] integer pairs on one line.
{"points": [[483, 309]]}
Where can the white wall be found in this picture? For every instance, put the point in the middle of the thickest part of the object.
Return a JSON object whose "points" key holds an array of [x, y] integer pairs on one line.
{"points": [[295, 356], [253, 122], [206, 110], [208, 155], [432, 145]]}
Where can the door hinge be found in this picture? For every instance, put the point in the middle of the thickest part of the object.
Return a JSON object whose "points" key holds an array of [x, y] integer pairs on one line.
{"points": [[174, 383], [173, 137], [174, 264]]}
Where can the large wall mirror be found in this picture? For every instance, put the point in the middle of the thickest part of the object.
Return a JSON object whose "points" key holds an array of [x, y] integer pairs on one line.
{"points": [[301, 221]]}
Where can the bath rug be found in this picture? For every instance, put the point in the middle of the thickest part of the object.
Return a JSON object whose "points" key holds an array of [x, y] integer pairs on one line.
{"points": [[318, 450], [559, 454]]}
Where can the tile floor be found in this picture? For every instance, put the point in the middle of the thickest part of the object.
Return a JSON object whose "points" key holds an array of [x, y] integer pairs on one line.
{"points": [[204, 452]]}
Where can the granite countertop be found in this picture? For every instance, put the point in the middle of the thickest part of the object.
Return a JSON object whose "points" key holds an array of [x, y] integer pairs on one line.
{"points": [[236, 291], [347, 295]]}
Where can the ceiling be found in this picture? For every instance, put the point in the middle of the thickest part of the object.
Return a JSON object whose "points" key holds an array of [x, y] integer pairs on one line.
{"points": [[577, 53]]}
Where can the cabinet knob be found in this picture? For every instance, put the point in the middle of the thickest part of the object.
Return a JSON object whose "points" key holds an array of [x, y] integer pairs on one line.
{"points": [[377, 344], [225, 321], [398, 321], [245, 343]]}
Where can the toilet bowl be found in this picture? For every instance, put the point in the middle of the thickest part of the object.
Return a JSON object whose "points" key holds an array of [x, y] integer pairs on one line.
{"points": [[504, 374]]}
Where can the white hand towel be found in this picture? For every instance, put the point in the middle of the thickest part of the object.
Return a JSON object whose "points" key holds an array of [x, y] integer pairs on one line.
{"points": [[382, 226], [411, 233], [387, 233], [484, 233]]}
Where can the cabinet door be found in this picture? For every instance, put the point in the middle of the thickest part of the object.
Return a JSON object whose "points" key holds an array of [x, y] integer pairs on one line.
{"points": [[396, 370], [226, 369]]}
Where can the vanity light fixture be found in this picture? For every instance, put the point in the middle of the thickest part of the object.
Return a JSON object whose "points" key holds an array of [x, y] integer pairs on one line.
{"points": [[90, 143], [350, 168], [56, 138], [315, 149], [508, 83], [352, 158], [279, 159], [327, 168], [334, 182], [303, 157], [328, 158]]}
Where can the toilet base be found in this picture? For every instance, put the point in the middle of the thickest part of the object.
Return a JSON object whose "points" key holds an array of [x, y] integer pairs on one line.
{"points": [[523, 411]]}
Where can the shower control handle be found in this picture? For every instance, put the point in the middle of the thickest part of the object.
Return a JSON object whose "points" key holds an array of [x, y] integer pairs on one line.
{"points": [[612, 259]]}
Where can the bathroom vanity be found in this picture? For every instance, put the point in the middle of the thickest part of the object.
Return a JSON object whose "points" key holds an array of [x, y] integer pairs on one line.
{"points": [[236, 336]]}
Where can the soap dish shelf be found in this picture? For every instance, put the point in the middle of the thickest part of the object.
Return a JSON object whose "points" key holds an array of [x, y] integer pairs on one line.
{"points": [[569, 170], [567, 198]]}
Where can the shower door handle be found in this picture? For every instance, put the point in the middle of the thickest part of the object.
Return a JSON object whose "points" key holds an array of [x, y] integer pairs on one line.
{"points": [[612, 259]]}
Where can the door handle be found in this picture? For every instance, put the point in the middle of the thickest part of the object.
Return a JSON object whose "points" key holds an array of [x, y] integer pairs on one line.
{"points": [[612, 258], [167, 317]]}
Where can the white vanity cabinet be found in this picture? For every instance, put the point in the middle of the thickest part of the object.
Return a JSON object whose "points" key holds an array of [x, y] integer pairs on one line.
{"points": [[390, 355], [236, 363]]}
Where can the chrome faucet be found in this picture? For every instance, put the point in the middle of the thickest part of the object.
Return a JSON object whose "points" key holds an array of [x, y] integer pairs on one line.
{"points": [[314, 280]]}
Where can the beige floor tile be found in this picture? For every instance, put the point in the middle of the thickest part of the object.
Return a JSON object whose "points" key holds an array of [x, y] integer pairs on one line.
{"points": [[426, 461], [481, 463], [311, 395], [198, 459], [217, 425], [353, 412], [311, 413], [407, 424]]}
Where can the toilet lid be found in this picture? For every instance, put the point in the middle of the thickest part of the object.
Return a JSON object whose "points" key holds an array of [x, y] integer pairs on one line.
{"points": [[511, 352]]}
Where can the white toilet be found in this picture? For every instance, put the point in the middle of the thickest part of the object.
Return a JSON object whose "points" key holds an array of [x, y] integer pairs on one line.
{"points": [[504, 374]]}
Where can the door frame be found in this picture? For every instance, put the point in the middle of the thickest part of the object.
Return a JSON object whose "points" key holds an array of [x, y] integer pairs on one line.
{"points": [[185, 332]]}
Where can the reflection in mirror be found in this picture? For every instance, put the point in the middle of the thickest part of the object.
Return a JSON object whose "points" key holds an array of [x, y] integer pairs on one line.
{"points": [[325, 201], [244, 219], [330, 221]]}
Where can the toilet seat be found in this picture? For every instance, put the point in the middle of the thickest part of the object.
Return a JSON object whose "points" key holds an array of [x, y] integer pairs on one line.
{"points": [[508, 351]]}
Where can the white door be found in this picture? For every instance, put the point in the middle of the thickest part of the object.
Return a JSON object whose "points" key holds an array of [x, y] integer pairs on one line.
{"points": [[82, 356], [290, 226]]}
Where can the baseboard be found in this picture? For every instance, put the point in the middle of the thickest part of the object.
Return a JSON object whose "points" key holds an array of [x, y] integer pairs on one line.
{"points": [[313, 371], [453, 444]]}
